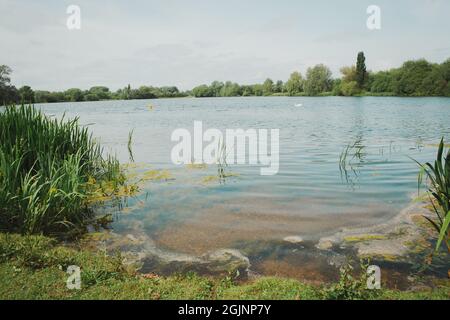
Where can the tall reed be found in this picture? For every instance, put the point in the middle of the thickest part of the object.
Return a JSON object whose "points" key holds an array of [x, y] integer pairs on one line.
{"points": [[49, 171], [438, 174]]}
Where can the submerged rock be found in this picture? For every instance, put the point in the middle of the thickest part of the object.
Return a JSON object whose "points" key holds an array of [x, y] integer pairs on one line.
{"points": [[227, 260], [219, 262], [324, 244], [293, 239]]}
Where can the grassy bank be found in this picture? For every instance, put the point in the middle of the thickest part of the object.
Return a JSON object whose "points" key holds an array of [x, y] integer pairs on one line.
{"points": [[50, 173], [33, 267]]}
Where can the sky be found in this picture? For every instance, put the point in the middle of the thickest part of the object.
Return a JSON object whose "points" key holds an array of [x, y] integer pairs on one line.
{"points": [[191, 42]]}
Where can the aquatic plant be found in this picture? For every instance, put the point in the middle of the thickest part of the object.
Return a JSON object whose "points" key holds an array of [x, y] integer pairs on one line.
{"points": [[222, 161], [347, 161], [50, 171], [438, 175], [129, 145]]}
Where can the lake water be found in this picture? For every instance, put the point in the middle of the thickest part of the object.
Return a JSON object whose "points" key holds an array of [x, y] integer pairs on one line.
{"points": [[312, 195]]}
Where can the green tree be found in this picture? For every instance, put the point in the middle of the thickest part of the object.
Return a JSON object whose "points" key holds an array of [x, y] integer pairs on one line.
{"points": [[382, 82], [295, 84], [258, 89], [98, 93], [145, 92], [8, 93], [216, 88], [361, 72], [445, 70], [5, 72], [318, 80], [247, 91], [348, 85], [278, 87], [409, 77], [26, 94], [230, 89], [349, 74], [349, 88], [202, 91], [74, 95], [268, 87], [336, 87]]}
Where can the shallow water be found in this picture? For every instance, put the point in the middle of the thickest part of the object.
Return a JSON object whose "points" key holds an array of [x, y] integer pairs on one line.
{"points": [[311, 196]]}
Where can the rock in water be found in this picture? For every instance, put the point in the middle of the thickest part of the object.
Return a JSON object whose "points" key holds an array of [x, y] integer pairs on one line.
{"points": [[324, 244], [293, 239], [228, 260]]}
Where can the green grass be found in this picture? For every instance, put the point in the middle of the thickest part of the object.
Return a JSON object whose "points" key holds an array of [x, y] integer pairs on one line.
{"points": [[33, 267], [50, 170]]}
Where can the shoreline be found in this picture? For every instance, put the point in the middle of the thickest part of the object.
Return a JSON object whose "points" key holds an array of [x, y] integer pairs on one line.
{"points": [[388, 239], [400, 240], [270, 96], [41, 274]]}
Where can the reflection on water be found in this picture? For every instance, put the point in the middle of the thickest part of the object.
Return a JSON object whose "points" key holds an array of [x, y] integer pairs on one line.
{"points": [[344, 162]]}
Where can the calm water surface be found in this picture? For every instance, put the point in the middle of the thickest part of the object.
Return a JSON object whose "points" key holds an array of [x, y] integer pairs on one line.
{"points": [[311, 196]]}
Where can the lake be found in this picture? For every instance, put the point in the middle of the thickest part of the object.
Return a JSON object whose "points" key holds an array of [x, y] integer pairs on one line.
{"points": [[314, 194]]}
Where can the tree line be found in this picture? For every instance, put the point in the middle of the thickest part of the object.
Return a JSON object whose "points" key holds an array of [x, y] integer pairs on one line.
{"points": [[10, 94], [414, 78]]}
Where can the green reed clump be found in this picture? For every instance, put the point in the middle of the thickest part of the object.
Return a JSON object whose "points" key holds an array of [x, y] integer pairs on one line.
{"points": [[47, 169], [438, 175]]}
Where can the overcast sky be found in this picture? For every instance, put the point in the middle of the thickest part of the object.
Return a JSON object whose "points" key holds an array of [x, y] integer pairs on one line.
{"points": [[191, 42]]}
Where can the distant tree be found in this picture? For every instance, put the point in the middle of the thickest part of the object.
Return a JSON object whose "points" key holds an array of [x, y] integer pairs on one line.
{"points": [[267, 87], [216, 88], [349, 74], [348, 85], [336, 87], [278, 87], [90, 97], [318, 80], [295, 84], [98, 93], [8, 93], [5, 72], [361, 71], [258, 89], [349, 88], [26, 94], [382, 82], [445, 70], [230, 89], [170, 91], [433, 83], [202, 91], [247, 91], [127, 92], [145, 92], [74, 95], [409, 77]]}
